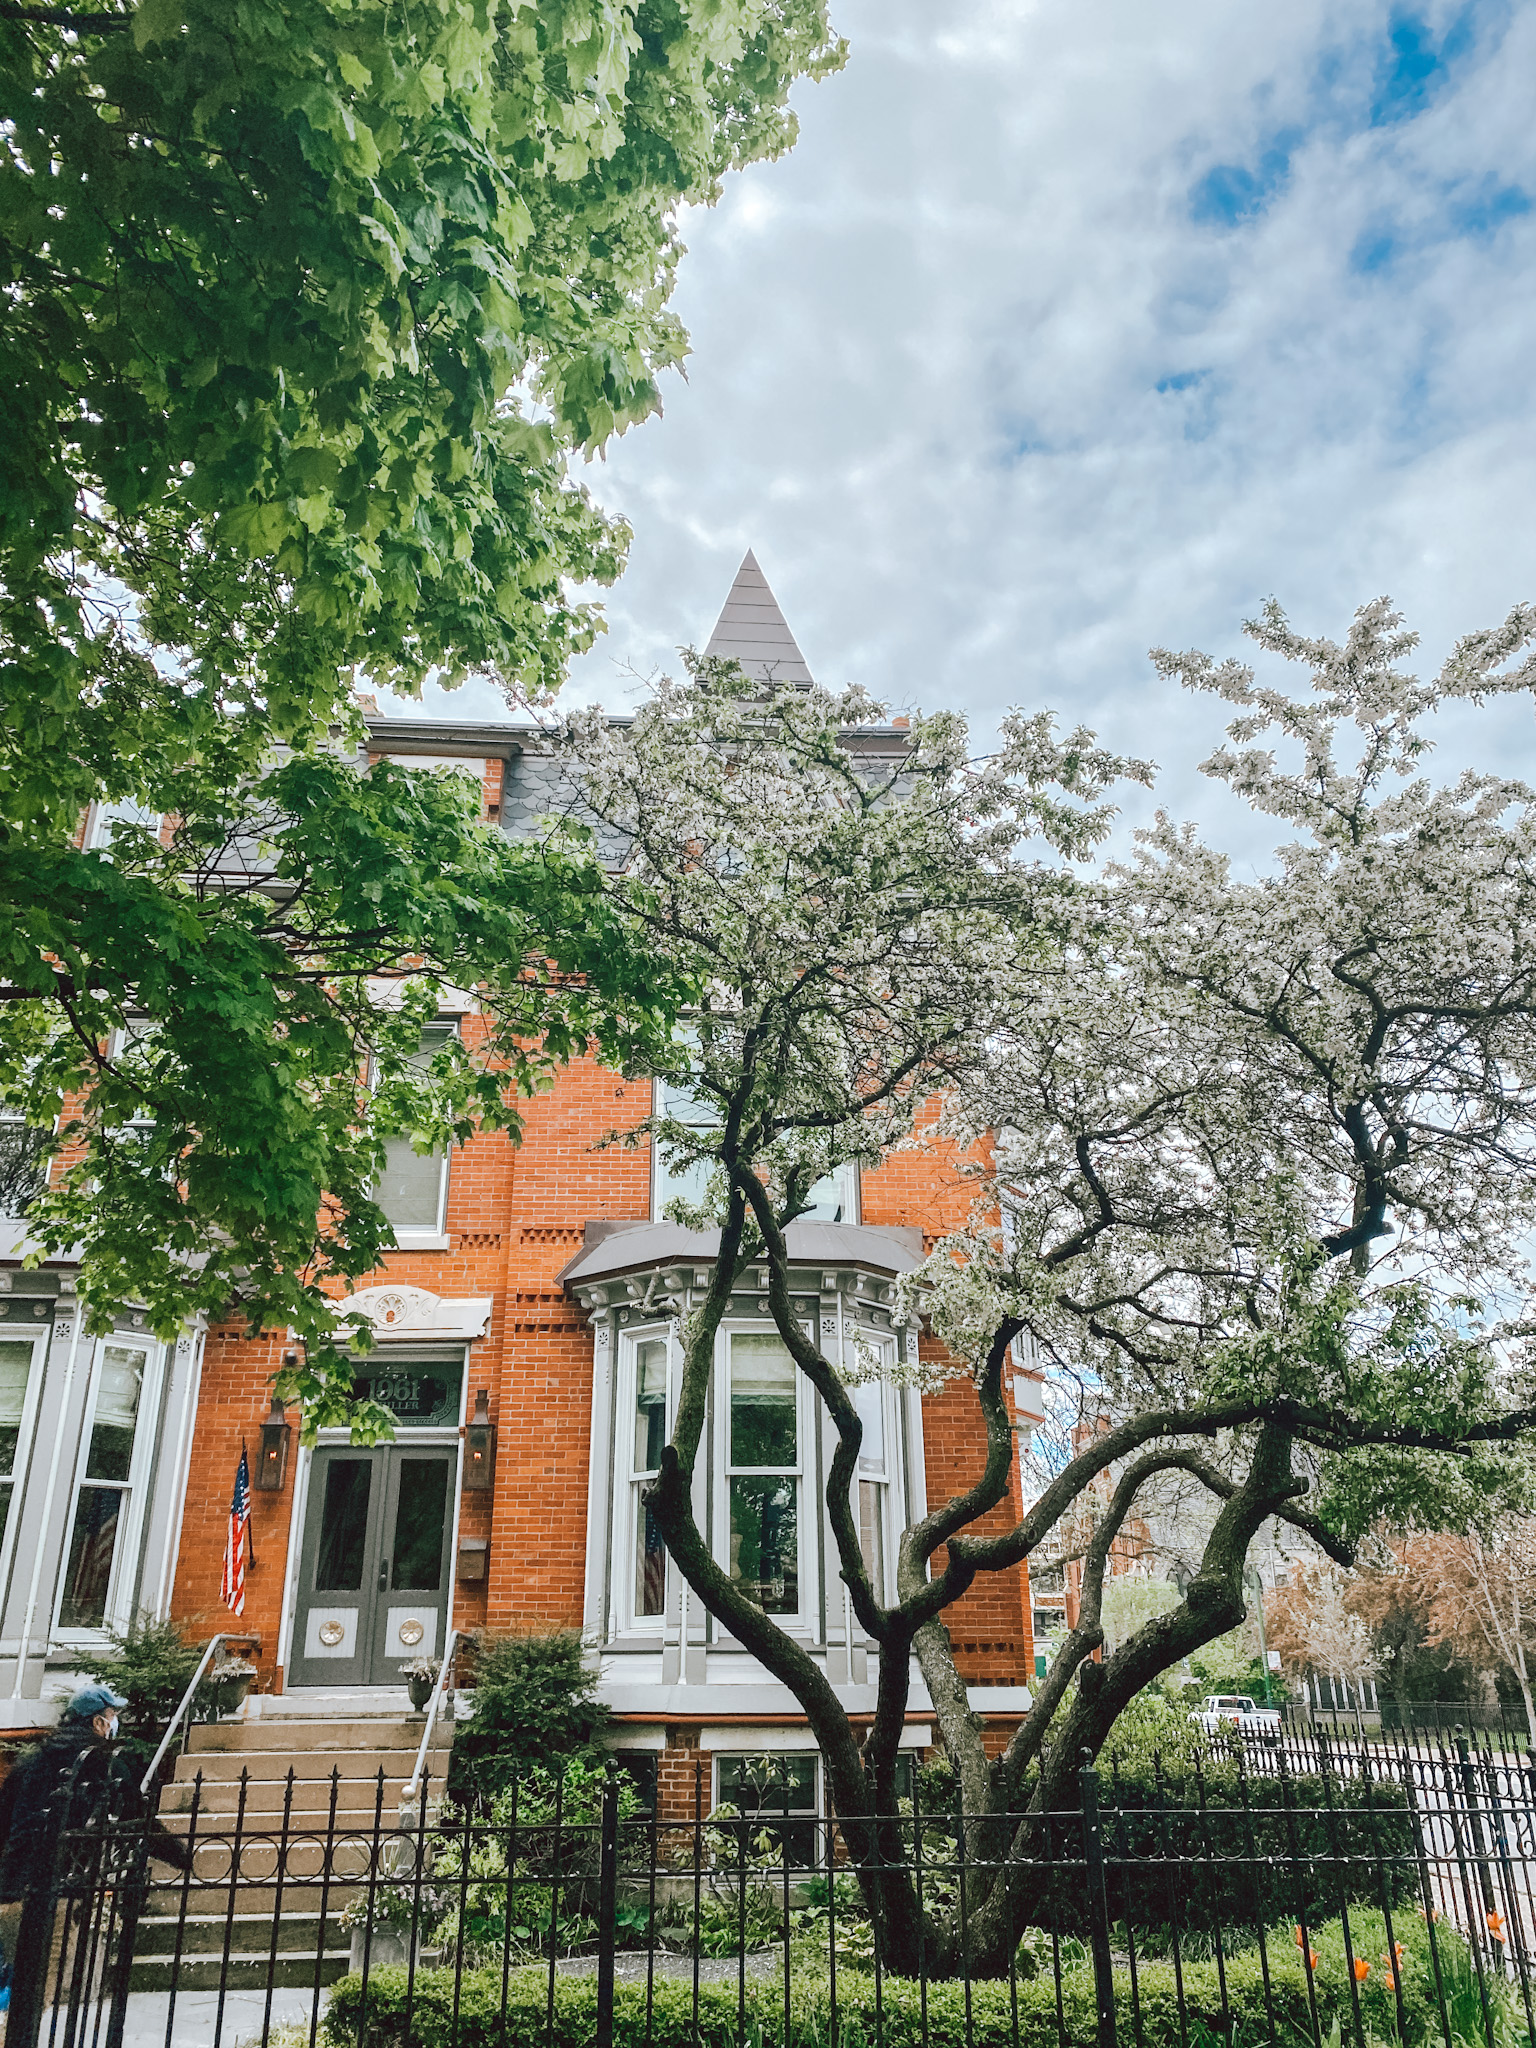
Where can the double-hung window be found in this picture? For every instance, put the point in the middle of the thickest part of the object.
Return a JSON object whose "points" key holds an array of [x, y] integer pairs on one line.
{"points": [[872, 1482], [763, 1471], [106, 817], [413, 1189], [25, 1151], [19, 1379], [119, 1439], [673, 1179], [649, 1433]]}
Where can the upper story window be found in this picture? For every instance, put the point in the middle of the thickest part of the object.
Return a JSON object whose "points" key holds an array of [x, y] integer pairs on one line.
{"points": [[106, 817], [413, 1188], [674, 1180], [24, 1154], [833, 1199], [109, 1495]]}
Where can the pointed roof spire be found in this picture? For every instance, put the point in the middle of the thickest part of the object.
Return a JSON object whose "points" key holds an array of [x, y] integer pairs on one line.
{"points": [[752, 630]]}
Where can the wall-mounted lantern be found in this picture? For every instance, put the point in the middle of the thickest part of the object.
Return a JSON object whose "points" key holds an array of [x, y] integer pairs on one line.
{"points": [[479, 1446], [272, 1459]]}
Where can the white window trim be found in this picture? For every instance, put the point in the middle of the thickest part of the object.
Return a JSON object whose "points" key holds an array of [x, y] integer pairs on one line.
{"points": [[806, 1621], [888, 1479], [120, 1604], [39, 1339], [624, 1524], [98, 835], [421, 1237]]}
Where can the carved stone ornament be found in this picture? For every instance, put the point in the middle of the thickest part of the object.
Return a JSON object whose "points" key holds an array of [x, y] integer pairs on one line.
{"points": [[398, 1311], [331, 1633], [410, 1632]]}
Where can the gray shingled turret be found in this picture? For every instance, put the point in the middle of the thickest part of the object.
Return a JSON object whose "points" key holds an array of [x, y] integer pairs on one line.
{"points": [[752, 630]]}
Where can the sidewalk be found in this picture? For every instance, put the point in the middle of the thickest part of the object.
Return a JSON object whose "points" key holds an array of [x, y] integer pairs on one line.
{"points": [[197, 2012]]}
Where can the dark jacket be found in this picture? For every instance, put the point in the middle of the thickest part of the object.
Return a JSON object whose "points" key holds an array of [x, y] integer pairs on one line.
{"points": [[32, 1819]]}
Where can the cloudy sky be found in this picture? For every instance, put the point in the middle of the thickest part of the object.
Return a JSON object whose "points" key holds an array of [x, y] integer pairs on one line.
{"points": [[1068, 329]]}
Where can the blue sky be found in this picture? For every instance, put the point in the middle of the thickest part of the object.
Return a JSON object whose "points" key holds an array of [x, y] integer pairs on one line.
{"points": [[1067, 331]]}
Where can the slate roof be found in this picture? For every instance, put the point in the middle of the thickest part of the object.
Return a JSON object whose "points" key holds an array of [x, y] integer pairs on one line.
{"points": [[752, 630], [631, 1247]]}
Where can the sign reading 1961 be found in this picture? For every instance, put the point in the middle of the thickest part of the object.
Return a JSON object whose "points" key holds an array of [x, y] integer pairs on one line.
{"points": [[426, 1399]]}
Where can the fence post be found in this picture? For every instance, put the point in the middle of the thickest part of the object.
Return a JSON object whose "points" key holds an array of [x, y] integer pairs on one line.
{"points": [[607, 1912], [1098, 1903]]}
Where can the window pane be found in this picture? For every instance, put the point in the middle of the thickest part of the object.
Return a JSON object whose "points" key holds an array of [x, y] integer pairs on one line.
{"points": [[833, 1199], [650, 1561], [674, 1180], [92, 1546], [762, 1402], [650, 1405], [6, 1490], [117, 1412], [765, 1542], [24, 1155], [15, 1366], [419, 1516], [410, 1189], [871, 1534], [763, 1787], [344, 1526], [869, 1401]]}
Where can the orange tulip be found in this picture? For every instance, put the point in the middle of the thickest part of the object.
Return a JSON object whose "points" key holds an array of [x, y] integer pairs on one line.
{"points": [[1362, 1969], [1496, 1925], [1301, 1939]]}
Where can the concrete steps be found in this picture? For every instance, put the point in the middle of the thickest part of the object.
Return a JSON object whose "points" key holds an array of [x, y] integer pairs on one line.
{"points": [[337, 1753]]}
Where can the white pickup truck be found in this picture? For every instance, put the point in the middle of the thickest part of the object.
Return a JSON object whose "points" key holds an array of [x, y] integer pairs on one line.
{"points": [[1219, 1711]]}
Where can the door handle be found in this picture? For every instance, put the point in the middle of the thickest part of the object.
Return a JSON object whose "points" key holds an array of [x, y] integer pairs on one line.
{"points": [[384, 1576]]}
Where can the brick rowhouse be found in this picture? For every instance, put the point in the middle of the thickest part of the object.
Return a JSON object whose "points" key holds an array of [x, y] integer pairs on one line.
{"points": [[527, 1272]]}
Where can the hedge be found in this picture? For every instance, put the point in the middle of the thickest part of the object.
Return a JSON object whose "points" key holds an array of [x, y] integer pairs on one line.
{"points": [[484, 2022]]}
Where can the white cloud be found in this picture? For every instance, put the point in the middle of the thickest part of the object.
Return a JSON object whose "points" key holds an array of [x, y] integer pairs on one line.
{"points": [[1066, 331]]}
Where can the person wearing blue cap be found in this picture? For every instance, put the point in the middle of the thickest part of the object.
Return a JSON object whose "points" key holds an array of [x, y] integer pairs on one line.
{"points": [[32, 1819]]}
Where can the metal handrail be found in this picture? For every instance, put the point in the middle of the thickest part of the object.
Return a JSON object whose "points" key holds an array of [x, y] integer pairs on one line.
{"points": [[185, 1708], [433, 1706]]}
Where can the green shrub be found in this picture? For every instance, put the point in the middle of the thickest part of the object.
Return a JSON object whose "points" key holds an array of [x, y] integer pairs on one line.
{"points": [[484, 2021], [536, 1705], [150, 1665]]}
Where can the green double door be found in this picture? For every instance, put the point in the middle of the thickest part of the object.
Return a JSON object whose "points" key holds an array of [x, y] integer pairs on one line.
{"points": [[373, 1585]]}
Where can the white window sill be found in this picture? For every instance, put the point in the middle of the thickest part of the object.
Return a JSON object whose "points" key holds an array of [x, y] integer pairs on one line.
{"points": [[420, 1241]]}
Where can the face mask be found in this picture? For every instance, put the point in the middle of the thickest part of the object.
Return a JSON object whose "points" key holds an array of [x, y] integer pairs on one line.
{"points": [[111, 1727]]}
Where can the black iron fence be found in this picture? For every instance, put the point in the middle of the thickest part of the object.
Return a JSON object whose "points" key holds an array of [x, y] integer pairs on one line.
{"points": [[1407, 1717], [1363, 1894]]}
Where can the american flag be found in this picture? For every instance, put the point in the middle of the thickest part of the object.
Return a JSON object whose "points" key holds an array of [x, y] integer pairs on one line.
{"points": [[232, 1585]]}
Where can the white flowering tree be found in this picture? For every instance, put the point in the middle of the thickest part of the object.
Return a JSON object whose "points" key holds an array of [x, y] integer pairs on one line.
{"points": [[1260, 1148]]}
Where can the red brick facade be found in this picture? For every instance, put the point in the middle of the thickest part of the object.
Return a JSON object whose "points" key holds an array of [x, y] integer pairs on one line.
{"points": [[515, 1217]]}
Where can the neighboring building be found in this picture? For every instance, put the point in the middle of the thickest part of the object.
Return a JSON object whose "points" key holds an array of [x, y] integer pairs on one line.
{"points": [[539, 1282]]}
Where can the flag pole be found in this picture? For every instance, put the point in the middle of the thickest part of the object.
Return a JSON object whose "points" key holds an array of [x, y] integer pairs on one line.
{"points": [[250, 1540]]}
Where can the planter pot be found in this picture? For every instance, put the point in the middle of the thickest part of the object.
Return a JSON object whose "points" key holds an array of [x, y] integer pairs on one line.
{"points": [[421, 1690], [229, 1694]]}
